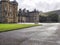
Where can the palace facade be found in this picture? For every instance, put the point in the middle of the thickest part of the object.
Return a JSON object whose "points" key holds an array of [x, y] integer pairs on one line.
{"points": [[27, 16], [8, 11]]}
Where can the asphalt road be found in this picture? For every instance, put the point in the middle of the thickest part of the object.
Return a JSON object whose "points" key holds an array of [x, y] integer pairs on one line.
{"points": [[48, 34]]}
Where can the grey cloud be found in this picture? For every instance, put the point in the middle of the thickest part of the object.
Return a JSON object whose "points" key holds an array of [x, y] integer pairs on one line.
{"points": [[42, 5], [47, 7]]}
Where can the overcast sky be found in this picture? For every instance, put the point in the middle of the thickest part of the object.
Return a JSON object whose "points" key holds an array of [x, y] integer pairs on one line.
{"points": [[41, 5]]}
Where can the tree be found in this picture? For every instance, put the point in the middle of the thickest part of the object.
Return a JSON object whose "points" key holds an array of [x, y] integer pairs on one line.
{"points": [[42, 18], [53, 17]]}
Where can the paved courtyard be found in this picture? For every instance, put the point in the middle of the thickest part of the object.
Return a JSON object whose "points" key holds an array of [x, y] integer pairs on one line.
{"points": [[48, 34]]}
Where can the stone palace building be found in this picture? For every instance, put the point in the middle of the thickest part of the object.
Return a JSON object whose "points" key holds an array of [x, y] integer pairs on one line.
{"points": [[8, 11], [27, 16]]}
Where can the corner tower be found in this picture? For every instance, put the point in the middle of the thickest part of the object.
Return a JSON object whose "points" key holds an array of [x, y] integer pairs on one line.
{"points": [[8, 11], [5, 10], [15, 10]]}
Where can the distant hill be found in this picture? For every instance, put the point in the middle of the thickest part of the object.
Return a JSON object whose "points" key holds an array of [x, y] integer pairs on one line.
{"points": [[50, 12], [55, 11]]}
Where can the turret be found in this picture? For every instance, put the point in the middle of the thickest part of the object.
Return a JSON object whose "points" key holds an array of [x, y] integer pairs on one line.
{"points": [[14, 2]]}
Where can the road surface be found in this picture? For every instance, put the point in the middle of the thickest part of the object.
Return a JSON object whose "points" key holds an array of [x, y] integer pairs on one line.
{"points": [[48, 34]]}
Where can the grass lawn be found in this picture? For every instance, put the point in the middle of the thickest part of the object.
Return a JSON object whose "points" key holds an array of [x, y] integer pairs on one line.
{"points": [[10, 27]]}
